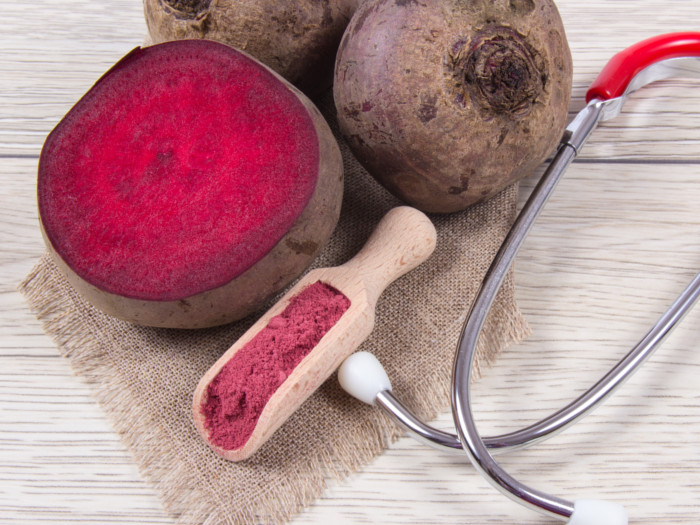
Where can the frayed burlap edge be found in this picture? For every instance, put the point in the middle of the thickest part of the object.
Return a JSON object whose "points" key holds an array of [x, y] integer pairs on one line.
{"points": [[171, 478]]}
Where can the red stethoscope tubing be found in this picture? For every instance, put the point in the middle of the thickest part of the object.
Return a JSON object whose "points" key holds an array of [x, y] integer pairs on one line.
{"points": [[612, 81]]}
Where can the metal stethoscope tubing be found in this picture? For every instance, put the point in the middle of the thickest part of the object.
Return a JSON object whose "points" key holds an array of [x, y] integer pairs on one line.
{"points": [[661, 57]]}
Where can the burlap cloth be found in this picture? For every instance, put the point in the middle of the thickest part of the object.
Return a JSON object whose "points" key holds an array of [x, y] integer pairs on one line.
{"points": [[144, 377]]}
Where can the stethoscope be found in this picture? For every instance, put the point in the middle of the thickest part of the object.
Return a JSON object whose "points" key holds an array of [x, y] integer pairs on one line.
{"points": [[661, 57]]}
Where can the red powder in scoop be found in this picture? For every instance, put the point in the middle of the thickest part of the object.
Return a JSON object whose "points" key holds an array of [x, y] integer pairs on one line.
{"points": [[238, 394]]}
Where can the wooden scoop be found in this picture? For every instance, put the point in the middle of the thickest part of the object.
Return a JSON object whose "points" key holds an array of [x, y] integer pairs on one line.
{"points": [[402, 240]]}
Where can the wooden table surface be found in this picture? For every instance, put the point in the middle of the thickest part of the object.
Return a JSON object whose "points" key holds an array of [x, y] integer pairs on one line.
{"points": [[619, 240]]}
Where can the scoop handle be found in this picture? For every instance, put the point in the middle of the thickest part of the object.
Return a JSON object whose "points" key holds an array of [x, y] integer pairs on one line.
{"points": [[403, 239]]}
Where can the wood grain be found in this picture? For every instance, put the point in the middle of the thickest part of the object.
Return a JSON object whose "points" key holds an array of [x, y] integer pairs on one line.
{"points": [[618, 241]]}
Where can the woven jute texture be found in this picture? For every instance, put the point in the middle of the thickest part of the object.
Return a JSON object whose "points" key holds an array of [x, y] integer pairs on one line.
{"points": [[145, 377]]}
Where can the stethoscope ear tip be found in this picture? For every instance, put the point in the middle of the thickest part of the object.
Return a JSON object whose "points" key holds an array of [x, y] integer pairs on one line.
{"points": [[362, 376], [597, 512]]}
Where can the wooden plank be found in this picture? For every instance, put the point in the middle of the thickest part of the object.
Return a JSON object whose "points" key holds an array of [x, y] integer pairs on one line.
{"points": [[617, 242]]}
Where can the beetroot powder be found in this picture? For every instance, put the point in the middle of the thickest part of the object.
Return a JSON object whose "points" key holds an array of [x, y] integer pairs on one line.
{"points": [[240, 391]]}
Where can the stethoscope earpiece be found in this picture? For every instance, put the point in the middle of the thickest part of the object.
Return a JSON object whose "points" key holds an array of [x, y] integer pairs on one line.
{"points": [[597, 512], [363, 377]]}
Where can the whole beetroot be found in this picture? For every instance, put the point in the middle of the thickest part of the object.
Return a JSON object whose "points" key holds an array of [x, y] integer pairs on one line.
{"points": [[447, 102], [296, 38]]}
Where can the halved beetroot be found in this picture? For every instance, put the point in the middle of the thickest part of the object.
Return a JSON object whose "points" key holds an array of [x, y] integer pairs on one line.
{"points": [[188, 186]]}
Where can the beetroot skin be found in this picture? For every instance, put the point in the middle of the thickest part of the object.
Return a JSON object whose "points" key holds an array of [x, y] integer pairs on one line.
{"points": [[177, 190], [296, 38], [448, 102]]}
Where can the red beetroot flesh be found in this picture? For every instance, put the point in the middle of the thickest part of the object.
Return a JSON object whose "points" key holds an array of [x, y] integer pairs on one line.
{"points": [[238, 394], [182, 167]]}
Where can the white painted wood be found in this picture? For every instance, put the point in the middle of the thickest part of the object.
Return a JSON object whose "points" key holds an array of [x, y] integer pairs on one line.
{"points": [[619, 240]]}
